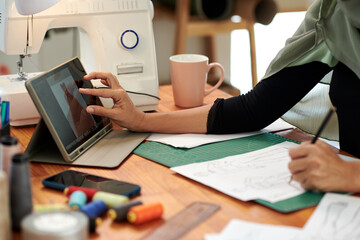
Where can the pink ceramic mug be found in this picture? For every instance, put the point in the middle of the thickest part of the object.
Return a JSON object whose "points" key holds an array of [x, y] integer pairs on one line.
{"points": [[189, 77]]}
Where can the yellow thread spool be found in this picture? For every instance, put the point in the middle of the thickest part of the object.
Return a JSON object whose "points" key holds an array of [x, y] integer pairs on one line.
{"points": [[50, 208], [110, 199]]}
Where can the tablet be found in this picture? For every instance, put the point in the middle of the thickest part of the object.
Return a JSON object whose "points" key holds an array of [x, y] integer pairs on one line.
{"points": [[63, 110]]}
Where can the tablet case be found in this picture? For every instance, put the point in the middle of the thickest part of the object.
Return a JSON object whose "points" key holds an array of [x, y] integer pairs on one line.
{"points": [[109, 152], [105, 147], [172, 157]]}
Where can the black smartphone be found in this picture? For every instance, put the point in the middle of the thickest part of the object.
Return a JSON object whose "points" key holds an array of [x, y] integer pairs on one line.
{"points": [[74, 178]]}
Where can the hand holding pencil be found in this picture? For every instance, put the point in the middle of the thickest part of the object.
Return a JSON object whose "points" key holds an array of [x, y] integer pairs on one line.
{"points": [[316, 166]]}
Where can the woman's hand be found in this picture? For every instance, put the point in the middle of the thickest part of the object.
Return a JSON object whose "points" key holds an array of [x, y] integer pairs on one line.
{"points": [[123, 112], [318, 167]]}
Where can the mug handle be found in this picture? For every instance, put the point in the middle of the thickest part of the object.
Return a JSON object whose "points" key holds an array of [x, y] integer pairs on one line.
{"points": [[211, 65]]}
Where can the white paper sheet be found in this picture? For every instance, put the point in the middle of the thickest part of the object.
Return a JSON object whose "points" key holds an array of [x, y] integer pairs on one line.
{"points": [[238, 229], [194, 140], [336, 217], [262, 174]]}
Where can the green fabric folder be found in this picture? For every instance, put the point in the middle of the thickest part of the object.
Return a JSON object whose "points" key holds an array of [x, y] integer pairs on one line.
{"points": [[172, 157]]}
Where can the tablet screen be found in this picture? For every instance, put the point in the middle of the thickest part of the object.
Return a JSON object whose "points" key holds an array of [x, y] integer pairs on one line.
{"points": [[65, 106]]}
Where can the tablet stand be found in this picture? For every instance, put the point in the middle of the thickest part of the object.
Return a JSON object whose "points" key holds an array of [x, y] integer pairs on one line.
{"points": [[109, 152]]}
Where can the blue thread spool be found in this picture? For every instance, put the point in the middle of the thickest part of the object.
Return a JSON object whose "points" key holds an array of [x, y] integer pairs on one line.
{"points": [[94, 209], [77, 200]]}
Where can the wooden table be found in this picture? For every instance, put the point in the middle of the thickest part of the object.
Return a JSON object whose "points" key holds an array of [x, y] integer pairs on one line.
{"points": [[158, 183]]}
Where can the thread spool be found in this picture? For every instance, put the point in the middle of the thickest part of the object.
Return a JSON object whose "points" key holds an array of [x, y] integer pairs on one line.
{"points": [[111, 199], [9, 147], [144, 213], [88, 191], [4, 207], [50, 208], [94, 209], [119, 213], [63, 225], [77, 200], [20, 191], [94, 223]]}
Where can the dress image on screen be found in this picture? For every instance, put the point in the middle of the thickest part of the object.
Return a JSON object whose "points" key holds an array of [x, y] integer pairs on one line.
{"points": [[71, 102]]}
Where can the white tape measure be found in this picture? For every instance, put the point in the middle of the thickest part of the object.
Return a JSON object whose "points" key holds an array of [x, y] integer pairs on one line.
{"points": [[58, 225]]}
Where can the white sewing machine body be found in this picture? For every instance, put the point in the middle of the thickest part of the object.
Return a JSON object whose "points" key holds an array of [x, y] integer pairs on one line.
{"points": [[115, 36]]}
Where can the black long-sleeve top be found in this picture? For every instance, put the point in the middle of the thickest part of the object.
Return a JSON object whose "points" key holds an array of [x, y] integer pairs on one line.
{"points": [[274, 96]]}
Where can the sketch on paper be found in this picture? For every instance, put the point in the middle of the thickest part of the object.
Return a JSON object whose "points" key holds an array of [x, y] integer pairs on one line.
{"points": [[336, 217], [261, 174]]}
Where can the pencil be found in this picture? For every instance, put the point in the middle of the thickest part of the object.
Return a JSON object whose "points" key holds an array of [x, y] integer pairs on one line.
{"points": [[322, 126]]}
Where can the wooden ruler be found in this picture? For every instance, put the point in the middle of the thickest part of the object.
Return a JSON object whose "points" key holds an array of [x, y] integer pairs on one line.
{"points": [[184, 221]]}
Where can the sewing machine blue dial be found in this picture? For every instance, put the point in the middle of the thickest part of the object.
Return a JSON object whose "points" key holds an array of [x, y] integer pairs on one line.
{"points": [[129, 39]]}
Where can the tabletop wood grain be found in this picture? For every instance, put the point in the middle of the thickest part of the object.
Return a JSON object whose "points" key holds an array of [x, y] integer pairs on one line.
{"points": [[159, 183]]}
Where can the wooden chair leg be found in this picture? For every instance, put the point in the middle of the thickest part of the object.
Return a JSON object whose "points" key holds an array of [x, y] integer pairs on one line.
{"points": [[210, 48], [250, 28], [210, 52], [182, 18]]}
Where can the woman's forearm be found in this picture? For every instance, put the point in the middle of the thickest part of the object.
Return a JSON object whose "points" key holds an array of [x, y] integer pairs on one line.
{"points": [[192, 120]]}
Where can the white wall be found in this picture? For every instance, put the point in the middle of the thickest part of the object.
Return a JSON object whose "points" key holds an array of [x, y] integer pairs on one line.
{"points": [[268, 41]]}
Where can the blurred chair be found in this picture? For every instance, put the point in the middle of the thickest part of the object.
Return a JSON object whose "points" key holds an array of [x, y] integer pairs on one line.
{"points": [[187, 26], [251, 11]]}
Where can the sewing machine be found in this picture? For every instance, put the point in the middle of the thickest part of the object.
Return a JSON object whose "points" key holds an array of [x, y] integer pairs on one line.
{"points": [[115, 36]]}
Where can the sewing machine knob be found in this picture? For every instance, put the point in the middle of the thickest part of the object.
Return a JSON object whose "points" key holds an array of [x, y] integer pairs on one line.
{"points": [[129, 39]]}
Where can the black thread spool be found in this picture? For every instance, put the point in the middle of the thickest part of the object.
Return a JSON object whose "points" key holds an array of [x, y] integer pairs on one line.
{"points": [[20, 190]]}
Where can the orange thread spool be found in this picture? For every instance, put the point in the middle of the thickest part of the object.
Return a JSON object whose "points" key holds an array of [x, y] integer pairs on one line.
{"points": [[144, 213]]}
